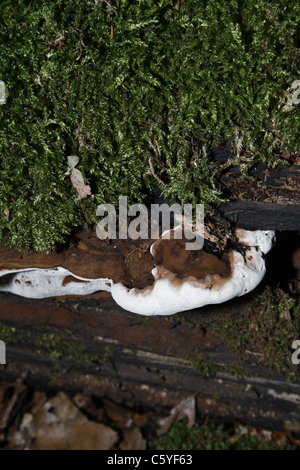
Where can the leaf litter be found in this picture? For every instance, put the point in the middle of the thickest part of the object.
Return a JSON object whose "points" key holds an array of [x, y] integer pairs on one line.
{"points": [[83, 190], [36, 420]]}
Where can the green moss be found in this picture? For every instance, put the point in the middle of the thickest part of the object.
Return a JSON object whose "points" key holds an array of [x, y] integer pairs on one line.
{"points": [[206, 365], [148, 321], [263, 335], [210, 436], [53, 344], [58, 347], [118, 83], [260, 335], [8, 334]]}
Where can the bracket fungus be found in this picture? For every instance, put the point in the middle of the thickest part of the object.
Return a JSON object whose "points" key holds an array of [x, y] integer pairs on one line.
{"points": [[43, 283], [183, 279], [209, 280]]}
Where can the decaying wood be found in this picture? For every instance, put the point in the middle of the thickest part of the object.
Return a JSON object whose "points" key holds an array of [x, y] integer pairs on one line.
{"points": [[280, 185], [128, 261], [266, 200], [141, 362], [256, 215]]}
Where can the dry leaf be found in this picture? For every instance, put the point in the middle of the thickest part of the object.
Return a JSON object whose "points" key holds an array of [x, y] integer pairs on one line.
{"points": [[133, 440], [235, 438], [88, 406], [77, 180], [184, 409], [64, 409], [74, 435], [38, 400], [59, 425], [140, 420], [121, 417]]}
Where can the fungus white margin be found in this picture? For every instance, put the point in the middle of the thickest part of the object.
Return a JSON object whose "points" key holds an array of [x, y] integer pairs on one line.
{"points": [[41, 283]]}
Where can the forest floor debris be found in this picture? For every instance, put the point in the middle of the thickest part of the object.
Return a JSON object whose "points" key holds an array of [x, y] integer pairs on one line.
{"points": [[39, 420]]}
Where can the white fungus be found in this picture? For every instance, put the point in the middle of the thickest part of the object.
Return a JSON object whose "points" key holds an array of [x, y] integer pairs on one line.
{"points": [[43, 283], [168, 294]]}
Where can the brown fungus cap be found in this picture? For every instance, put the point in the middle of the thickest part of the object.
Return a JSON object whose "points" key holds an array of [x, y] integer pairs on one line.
{"points": [[173, 255]]}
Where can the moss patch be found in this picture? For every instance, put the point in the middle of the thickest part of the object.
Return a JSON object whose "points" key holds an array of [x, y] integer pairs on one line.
{"points": [[261, 336], [210, 436], [53, 344], [206, 365], [141, 92]]}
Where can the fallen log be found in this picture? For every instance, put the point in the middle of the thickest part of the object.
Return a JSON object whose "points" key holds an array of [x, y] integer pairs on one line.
{"points": [[90, 345], [257, 215], [280, 185], [267, 199]]}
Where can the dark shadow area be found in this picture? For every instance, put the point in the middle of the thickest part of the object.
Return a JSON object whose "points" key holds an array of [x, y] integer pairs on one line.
{"points": [[279, 264]]}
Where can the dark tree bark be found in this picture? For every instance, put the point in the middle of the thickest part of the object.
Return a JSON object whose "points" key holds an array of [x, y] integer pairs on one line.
{"points": [[256, 215], [90, 345], [267, 200]]}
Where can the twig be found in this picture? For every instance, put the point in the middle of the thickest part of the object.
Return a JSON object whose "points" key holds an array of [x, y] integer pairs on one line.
{"points": [[153, 171]]}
